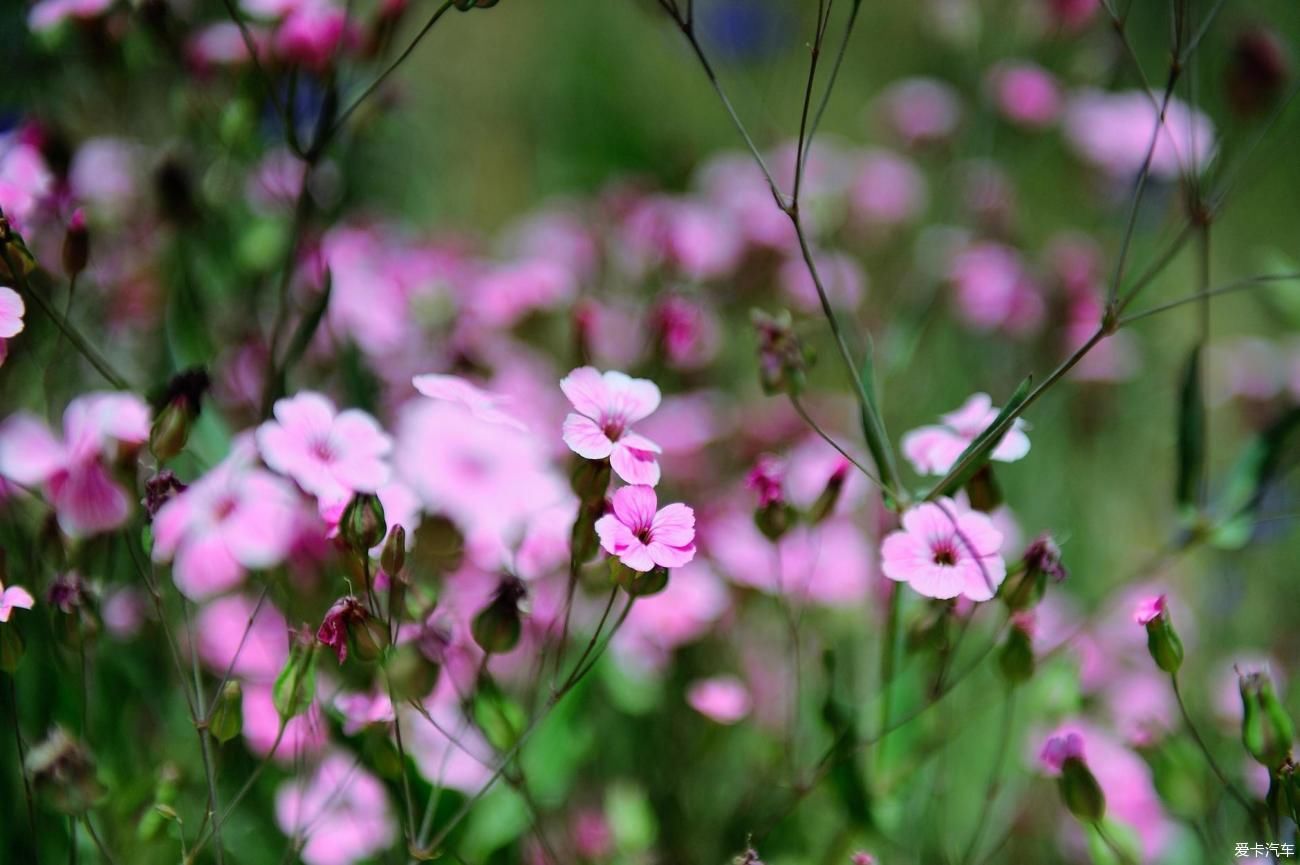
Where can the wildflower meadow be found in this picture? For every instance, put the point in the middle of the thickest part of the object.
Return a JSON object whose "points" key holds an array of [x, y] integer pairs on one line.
{"points": [[649, 432]]}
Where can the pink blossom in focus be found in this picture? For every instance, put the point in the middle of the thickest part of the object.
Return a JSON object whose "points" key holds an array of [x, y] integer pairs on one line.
{"points": [[237, 517], [994, 289], [607, 405], [724, 699], [933, 450], [74, 471], [943, 551], [340, 811], [1149, 609], [1026, 93], [643, 537], [331, 455], [13, 598], [888, 189], [224, 623], [482, 404], [48, 14], [1113, 131], [842, 278], [921, 110]]}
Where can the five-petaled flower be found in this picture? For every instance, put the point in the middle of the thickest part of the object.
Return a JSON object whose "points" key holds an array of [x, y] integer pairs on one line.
{"points": [[331, 455], [75, 471], [944, 551], [642, 537], [933, 450], [607, 405]]}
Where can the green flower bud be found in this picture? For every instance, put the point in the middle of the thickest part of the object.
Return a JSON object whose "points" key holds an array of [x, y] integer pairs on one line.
{"points": [[176, 409], [228, 713], [1266, 729], [295, 687], [393, 557], [1081, 792], [1016, 659], [590, 480], [1162, 641], [638, 584], [775, 519], [362, 524], [412, 674], [830, 494], [983, 490], [498, 626]]}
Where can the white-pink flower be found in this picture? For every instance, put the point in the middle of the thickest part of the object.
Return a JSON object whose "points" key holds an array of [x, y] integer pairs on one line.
{"points": [[74, 471], [482, 404], [236, 518], [643, 537], [933, 450], [11, 318], [945, 551], [48, 14], [13, 598], [330, 455], [607, 405], [724, 699]]}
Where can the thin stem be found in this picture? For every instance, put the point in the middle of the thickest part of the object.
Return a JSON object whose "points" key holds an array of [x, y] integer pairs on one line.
{"points": [[1110, 842], [205, 743], [99, 843], [888, 651], [1209, 758], [825, 436], [835, 74], [1230, 288], [22, 762]]}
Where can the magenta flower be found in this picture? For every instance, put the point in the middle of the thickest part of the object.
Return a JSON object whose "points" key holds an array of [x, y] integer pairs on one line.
{"points": [[933, 450], [767, 479], [643, 538], [1026, 94], [11, 318], [483, 405], [724, 699], [330, 455], [235, 518], [1058, 749], [13, 598], [74, 472], [1149, 609], [945, 551], [1114, 131], [607, 405]]}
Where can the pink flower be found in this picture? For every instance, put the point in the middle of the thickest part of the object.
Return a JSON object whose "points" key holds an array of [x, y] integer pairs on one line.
{"points": [[685, 611], [921, 110], [724, 699], [1114, 130], [48, 14], [25, 179], [236, 517], [230, 636], [889, 189], [607, 405], [341, 811], [943, 551], [304, 736], [74, 471], [483, 405], [1149, 609], [933, 450], [330, 455], [862, 858], [766, 478], [643, 538], [11, 318], [841, 276], [13, 598], [311, 34], [1058, 749], [994, 289], [1026, 94], [503, 295]]}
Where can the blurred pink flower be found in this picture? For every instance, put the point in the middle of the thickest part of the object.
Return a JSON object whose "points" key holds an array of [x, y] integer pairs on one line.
{"points": [[13, 598], [504, 294], [1026, 93], [75, 471], [124, 610], [340, 811], [643, 537], [303, 736], [331, 455], [106, 175], [48, 14], [698, 241], [829, 564], [362, 710], [1113, 359], [683, 612], [888, 190], [222, 44], [274, 184], [460, 761], [592, 837], [607, 405], [1114, 130], [1072, 15], [766, 479], [25, 180], [686, 330], [230, 637], [933, 450], [311, 34], [235, 518], [483, 405], [995, 290], [11, 318], [921, 110], [1141, 706], [842, 278], [1058, 749], [944, 551], [724, 699]]}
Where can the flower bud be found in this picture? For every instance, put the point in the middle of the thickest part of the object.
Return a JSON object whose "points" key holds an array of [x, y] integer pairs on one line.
{"points": [[1025, 587], [159, 490], [1266, 729], [393, 557], [228, 714], [583, 541], [638, 584], [775, 519], [782, 361], [76, 245], [63, 770], [830, 494], [16, 260], [983, 490], [1016, 659], [362, 524], [348, 626], [411, 673], [1257, 68], [176, 409], [590, 480], [1081, 792], [1162, 641], [498, 626], [295, 687]]}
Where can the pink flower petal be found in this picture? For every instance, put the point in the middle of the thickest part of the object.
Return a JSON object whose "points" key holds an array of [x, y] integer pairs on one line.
{"points": [[205, 567], [634, 465], [585, 438], [88, 501], [631, 398], [11, 313], [29, 453], [587, 391], [635, 507], [674, 525]]}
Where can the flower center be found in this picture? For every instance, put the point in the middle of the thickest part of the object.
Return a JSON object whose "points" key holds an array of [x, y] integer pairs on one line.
{"points": [[321, 450], [613, 429], [945, 554], [225, 507]]}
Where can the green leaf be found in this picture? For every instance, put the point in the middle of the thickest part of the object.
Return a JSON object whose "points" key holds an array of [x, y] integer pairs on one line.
{"points": [[977, 453], [501, 817], [1255, 470], [873, 425], [1191, 433]]}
